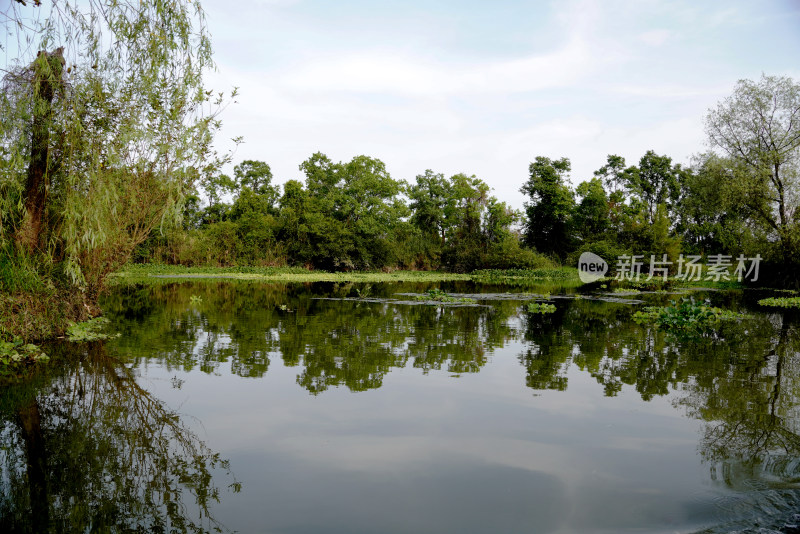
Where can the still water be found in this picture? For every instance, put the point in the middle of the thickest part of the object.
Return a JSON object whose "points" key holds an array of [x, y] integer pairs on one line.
{"points": [[354, 408]]}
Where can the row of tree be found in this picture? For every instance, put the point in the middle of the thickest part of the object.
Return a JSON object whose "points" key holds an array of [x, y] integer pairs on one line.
{"points": [[347, 215], [741, 199]]}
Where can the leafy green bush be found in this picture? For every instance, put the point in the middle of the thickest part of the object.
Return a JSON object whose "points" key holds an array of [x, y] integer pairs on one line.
{"points": [[686, 317], [643, 284], [781, 302], [39, 315], [509, 254]]}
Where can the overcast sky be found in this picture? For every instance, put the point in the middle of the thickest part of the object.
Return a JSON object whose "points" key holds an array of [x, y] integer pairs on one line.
{"points": [[483, 87]]}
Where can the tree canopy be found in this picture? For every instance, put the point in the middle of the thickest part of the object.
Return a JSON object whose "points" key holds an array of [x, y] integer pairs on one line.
{"points": [[106, 125], [758, 129]]}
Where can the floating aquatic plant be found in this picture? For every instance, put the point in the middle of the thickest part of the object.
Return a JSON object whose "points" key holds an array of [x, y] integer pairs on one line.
{"points": [[541, 307], [91, 330], [687, 316], [781, 302], [437, 295]]}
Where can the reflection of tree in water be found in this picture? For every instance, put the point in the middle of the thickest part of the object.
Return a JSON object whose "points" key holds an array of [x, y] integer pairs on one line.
{"points": [[336, 343], [601, 339], [745, 386], [92, 451], [591, 335], [231, 325], [752, 407], [356, 345]]}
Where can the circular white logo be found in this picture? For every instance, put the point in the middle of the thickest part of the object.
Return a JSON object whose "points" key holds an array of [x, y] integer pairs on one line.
{"points": [[591, 267]]}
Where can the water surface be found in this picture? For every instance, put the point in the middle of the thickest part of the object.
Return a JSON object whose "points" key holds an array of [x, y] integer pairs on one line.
{"points": [[353, 408]]}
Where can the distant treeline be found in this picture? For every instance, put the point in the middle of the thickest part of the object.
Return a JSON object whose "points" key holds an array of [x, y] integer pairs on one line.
{"points": [[354, 215], [348, 215]]}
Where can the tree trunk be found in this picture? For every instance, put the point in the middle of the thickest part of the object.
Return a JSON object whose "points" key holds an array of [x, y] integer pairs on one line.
{"points": [[48, 72]]}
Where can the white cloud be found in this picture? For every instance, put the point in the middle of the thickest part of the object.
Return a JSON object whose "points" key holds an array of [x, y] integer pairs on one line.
{"points": [[669, 90], [655, 37], [402, 74], [582, 80]]}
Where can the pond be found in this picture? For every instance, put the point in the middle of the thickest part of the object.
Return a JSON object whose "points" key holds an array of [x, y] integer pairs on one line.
{"points": [[304, 408]]}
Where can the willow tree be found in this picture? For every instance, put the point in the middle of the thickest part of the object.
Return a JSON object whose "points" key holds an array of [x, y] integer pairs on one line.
{"points": [[758, 129], [106, 125]]}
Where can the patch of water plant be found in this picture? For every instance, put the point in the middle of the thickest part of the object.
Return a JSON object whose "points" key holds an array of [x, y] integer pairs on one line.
{"points": [[195, 300], [16, 354], [781, 302], [364, 293], [627, 290], [499, 275], [91, 330], [541, 307], [437, 295], [687, 316]]}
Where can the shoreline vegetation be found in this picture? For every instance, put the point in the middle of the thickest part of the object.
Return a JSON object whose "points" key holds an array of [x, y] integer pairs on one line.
{"points": [[150, 273], [567, 276], [47, 321], [39, 312]]}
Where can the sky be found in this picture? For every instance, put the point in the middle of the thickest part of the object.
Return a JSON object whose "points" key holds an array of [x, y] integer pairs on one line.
{"points": [[485, 87]]}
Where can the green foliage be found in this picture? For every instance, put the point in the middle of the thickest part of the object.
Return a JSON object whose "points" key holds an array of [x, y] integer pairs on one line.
{"points": [[106, 126], [757, 129], [16, 356], [655, 208], [654, 182], [687, 317], [91, 330], [643, 284], [608, 249], [437, 295], [257, 177], [155, 274], [715, 213], [540, 307], [781, 302], [591, 218], [344, 218], [500, 275], [551, 206], [19, 273], [39, 315], [430, 204], [625, 290], [509, 254], [613, 173]]}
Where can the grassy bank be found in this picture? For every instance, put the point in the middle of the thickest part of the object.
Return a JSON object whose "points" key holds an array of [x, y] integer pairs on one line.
{"points": [[149, 273]]}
